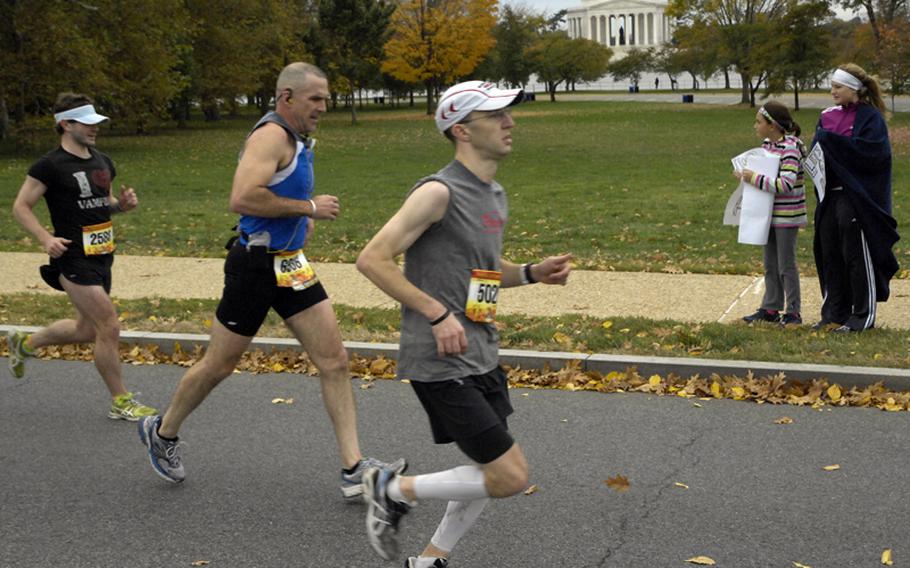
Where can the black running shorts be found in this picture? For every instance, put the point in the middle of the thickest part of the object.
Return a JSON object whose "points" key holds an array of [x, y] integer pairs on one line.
{"points": [[250, 290], [471, 412], [82, 270]]}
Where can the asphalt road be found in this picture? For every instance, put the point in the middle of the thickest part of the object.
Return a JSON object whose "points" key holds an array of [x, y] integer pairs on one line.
{"points": [[262, 488]]}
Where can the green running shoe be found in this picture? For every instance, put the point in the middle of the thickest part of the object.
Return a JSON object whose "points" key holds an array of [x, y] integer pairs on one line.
{"points": [[15, 340], [125, 407]]}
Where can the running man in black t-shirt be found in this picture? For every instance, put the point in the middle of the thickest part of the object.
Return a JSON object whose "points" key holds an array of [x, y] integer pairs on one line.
{"points": [[75, 181]]}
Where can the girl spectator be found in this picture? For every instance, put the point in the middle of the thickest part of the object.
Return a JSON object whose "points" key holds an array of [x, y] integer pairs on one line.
{"points": [[781, 302], [854, 228]]}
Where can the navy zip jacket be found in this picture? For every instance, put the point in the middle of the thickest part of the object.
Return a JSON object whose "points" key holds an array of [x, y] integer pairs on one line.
{"points": [[862, 163]]}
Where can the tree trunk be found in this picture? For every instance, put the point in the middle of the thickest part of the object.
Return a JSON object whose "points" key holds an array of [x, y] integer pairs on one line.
{"points": [[795, 95], [4, 116], [411, 95], [746, 82], [429, 86], [726, 78], [353, 109]]}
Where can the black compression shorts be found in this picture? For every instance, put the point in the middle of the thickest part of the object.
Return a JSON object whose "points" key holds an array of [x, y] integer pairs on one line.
{"points": [[471, 412], [250, 289]]}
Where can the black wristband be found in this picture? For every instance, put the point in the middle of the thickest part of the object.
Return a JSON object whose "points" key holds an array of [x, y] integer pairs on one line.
{"points": [[527, 272], [441, 318]]}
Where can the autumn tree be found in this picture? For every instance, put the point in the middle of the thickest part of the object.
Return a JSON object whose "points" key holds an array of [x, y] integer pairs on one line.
{"points": [[142, 51], [515, 32], [631, 67], [558, 59], [882, 14], [354, 32], [47, 47], [803, 51], [437, 42], [894, 59], [742, 31]]}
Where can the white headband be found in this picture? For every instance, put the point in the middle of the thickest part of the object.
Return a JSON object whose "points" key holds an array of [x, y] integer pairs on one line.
{"points": [[85, 114], [846, 79]]}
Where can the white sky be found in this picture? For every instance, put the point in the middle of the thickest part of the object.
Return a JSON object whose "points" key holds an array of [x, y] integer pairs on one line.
{"points": [[553, 6]]}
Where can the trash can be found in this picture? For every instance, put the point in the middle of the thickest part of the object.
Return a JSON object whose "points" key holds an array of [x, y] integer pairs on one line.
{"points": [[688, 98], [631, 88]]}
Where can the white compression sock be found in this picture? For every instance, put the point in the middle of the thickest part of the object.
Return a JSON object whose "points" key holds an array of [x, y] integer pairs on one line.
{"points": [[463, 483], [459, 517]]}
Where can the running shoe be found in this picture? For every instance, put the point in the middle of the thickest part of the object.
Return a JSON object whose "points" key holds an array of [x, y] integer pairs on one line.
{"points": [[411, 562], [383, 514], [125, 407], [164, 455], [15, 341], [352, 483]]}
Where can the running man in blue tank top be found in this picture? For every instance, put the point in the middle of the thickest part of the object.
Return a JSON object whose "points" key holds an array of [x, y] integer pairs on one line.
{"points": [[266, 269], [450, 231]]}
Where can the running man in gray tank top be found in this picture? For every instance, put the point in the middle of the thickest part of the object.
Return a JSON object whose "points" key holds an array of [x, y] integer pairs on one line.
{"points": [[450, 232]]}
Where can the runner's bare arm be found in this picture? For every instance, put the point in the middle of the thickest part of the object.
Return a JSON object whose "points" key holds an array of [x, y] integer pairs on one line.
{"points": [[126, 202], [425, 206], [551, 270], [266, 151], [30, 193]]}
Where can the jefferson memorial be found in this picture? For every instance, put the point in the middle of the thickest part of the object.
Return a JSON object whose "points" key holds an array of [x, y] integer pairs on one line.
{"points": [[621, 24]]}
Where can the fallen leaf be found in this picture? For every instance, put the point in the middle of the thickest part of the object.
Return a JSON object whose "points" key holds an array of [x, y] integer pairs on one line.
{"points": [[798, 565], [561, 338], [834, 393], [784, 420], [607, 324], [654, 381], [696, 405], [886, 557], [618, 483], [282, 401], [531, 490], [834, 467], [199, 562], [703, 560], [683, 485]]}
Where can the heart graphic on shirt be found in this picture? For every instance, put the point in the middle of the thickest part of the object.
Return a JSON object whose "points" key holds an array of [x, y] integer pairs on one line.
{"points": [[102, 178]]}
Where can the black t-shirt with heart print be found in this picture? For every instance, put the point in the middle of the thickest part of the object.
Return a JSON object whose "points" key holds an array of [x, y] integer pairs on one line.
{"points": [[78, 192]]}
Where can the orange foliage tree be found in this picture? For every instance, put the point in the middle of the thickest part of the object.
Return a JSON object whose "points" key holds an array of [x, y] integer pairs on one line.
{"points": [[437, 42]]}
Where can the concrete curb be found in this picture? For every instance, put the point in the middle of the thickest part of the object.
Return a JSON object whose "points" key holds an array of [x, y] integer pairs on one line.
{"points": [[896, 379]]}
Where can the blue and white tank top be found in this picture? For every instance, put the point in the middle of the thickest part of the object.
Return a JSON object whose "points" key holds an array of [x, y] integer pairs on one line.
{"points": [[295, 181]]}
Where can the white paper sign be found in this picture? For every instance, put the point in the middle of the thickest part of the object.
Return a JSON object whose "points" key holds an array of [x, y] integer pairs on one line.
{"points": [[815, 167], [757, 205], [734, 206]]}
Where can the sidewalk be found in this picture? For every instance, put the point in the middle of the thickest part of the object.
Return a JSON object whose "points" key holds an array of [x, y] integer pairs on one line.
{"points": [[682, 297]]}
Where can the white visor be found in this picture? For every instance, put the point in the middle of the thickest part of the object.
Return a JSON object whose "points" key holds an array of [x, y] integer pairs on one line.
{"points": [[85, 114]]}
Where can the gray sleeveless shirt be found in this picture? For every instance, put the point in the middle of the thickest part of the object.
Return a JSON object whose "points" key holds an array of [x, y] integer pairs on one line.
{"points": [[440, 262]]}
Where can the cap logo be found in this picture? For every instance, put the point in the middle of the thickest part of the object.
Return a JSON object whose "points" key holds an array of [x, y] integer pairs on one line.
{"points": [[451, 109]]}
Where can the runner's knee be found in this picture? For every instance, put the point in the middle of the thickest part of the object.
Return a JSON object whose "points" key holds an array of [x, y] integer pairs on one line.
{"points": [[507, 480], [332, 363]]}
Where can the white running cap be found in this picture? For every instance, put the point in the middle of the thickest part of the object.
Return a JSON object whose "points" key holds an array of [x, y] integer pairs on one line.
{"points": [[464, 98]]}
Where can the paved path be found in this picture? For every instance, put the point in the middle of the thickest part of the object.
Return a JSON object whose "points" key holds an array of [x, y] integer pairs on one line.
{"points": [[681, 297], [262, 487]]}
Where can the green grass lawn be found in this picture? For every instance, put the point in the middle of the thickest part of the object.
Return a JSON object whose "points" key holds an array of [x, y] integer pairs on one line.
{"points": [[664, 338], [624, 186]]}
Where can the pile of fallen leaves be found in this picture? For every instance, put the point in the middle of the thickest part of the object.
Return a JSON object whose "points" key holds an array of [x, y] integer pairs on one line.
{"points": [[776, 389]]}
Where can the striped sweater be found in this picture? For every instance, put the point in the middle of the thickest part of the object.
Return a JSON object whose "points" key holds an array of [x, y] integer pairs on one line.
{"points": [[788, 189]]}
